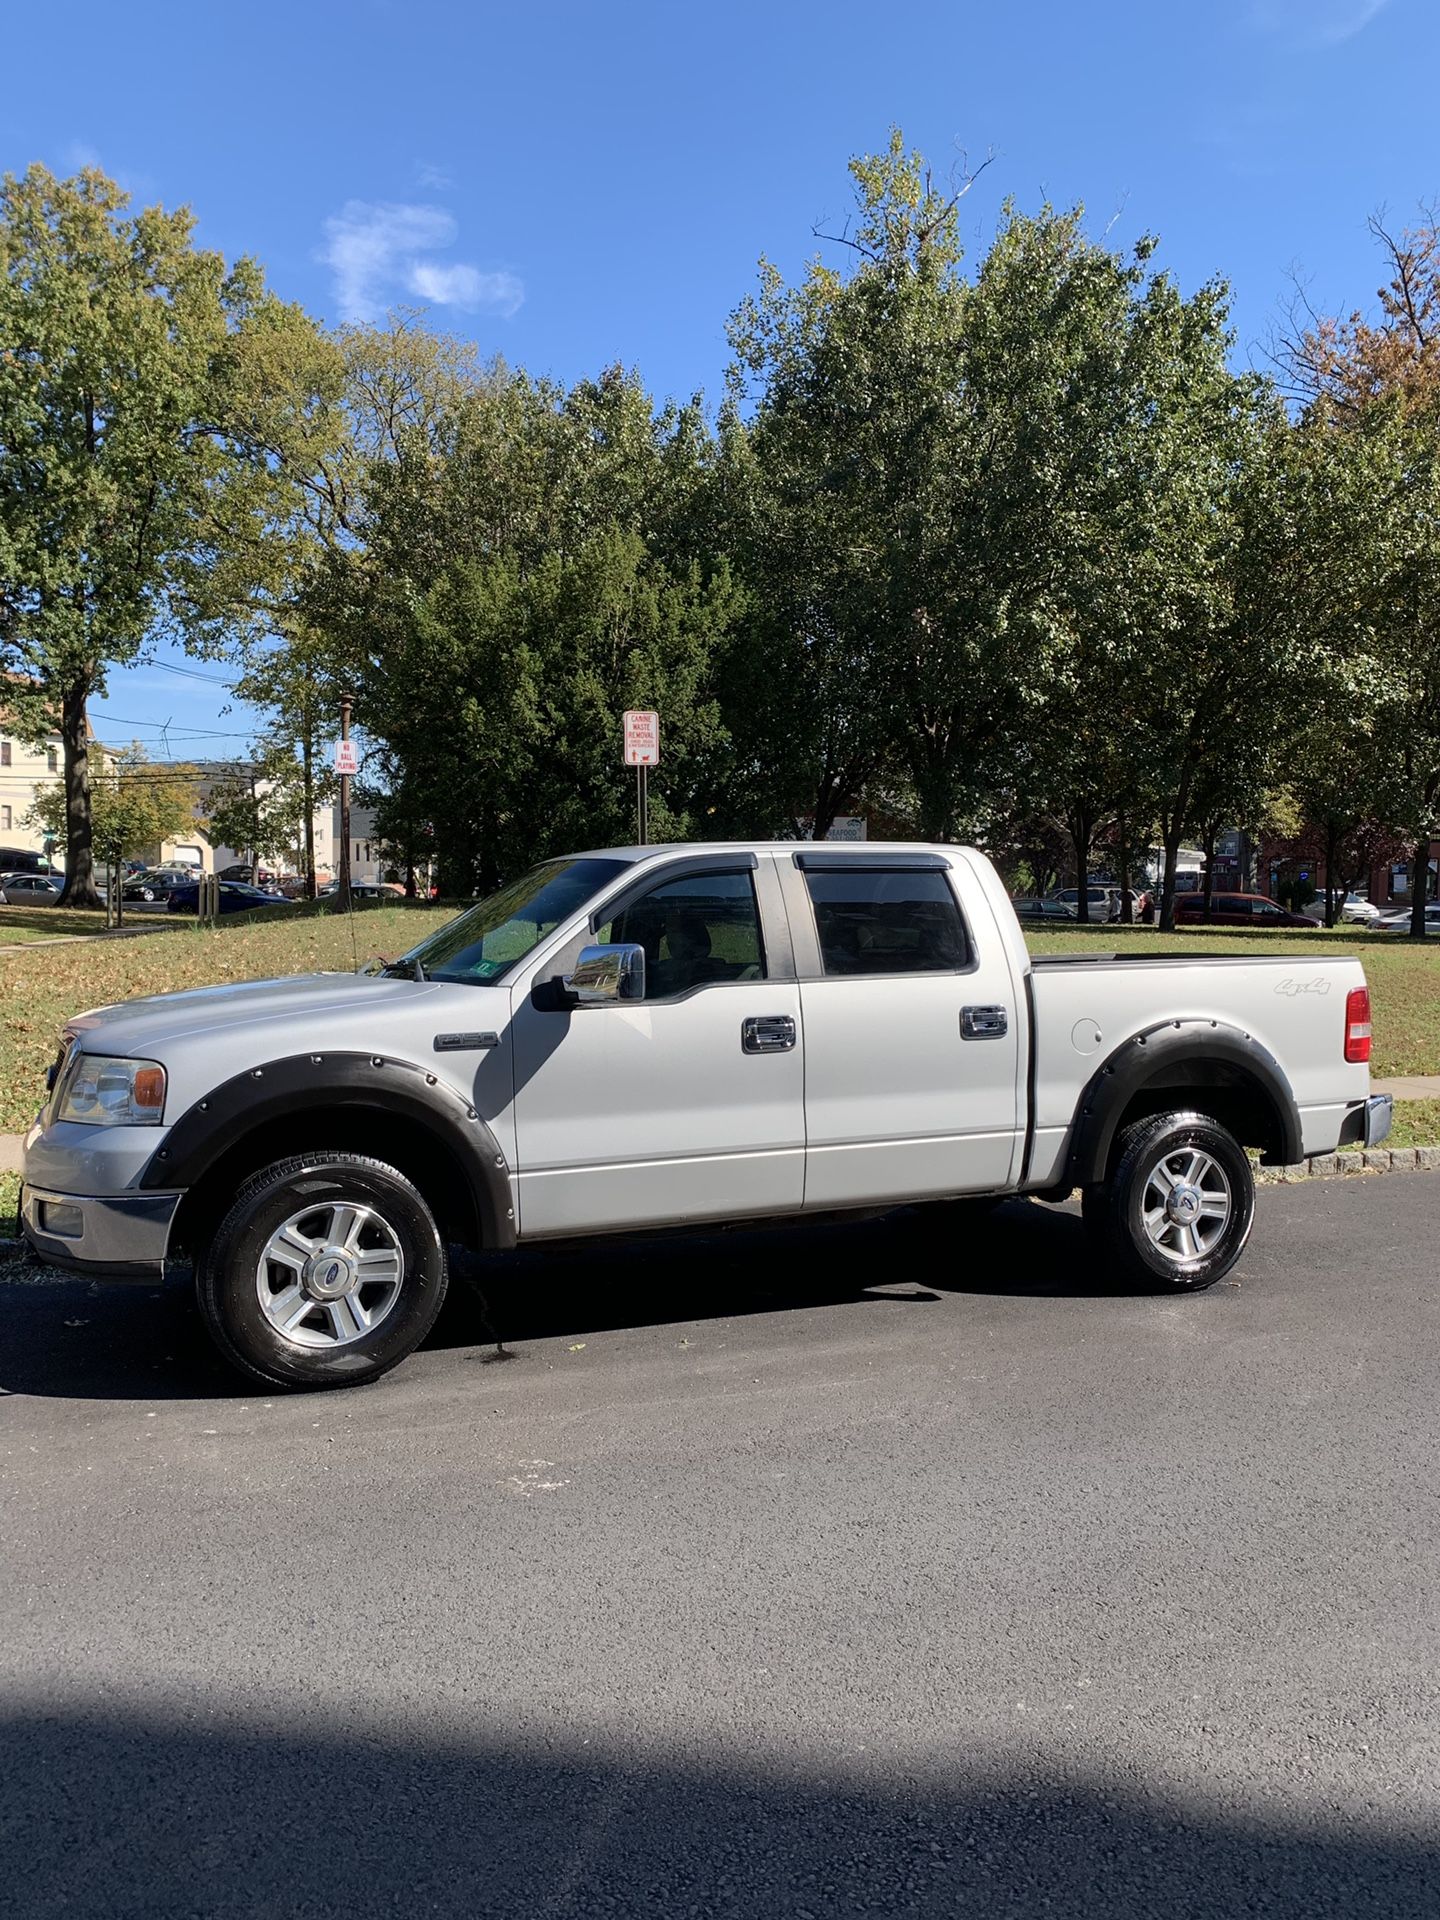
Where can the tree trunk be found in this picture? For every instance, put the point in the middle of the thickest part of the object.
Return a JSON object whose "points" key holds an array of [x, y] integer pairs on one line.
{"points": [[1419, 888], [1081, 833], [1122, 855], [308, 790], [1208, 843], [79, 889], [1332, 860], [827, 807], [1167, 884]]}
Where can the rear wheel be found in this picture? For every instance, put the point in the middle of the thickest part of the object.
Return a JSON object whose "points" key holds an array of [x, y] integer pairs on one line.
{"points": [[1179, 1203], [327, 1270]]}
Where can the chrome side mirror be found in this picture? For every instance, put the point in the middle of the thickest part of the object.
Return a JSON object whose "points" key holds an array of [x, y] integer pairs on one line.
{"points": [[604, 975]]}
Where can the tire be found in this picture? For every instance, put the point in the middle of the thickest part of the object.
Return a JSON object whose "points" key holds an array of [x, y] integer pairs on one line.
{"points": [[327, 1270], [1185, 1243]]}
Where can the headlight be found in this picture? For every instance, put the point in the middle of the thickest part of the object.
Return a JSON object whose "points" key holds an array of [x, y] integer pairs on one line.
{"points": [[111, 1093]]}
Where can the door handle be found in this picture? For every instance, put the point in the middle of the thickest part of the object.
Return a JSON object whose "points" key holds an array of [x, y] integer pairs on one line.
{"points": [[984, 1023], [767, 1033]]}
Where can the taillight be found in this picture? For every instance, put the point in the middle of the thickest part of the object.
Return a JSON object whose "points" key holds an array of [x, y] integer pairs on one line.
{"points": [[1357, 1025]]}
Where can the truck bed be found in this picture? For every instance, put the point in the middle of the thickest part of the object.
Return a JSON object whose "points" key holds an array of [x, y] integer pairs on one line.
{"points": [[1292, 1005]]}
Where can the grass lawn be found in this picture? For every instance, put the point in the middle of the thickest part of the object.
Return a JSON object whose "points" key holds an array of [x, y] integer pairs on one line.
{"points": [[21, 925], [1404, 977], [42, 988]]}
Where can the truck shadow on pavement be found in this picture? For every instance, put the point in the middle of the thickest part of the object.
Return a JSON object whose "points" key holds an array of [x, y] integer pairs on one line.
{"points": [[123, 1812], [73, 1339]]}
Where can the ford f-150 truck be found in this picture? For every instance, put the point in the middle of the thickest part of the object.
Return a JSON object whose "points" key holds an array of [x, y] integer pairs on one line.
{"points": [[650, 1037]]}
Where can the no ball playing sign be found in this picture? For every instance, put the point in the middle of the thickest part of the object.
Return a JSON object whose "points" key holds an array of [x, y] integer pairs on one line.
{"points": [[642, 739]]}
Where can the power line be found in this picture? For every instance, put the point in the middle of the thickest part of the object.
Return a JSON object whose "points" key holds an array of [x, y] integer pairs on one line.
{"points": [[178, 733], [188, 673]]}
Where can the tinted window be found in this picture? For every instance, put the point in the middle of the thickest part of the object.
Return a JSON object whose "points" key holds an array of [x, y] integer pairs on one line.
{"points": [[694, 931], [887, 921]]}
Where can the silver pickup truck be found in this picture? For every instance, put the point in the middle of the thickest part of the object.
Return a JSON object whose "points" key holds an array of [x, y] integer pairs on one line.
{"points": [[654, 1036]]}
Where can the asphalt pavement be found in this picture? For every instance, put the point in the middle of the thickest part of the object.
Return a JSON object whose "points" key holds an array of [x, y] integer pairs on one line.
{"points": [[900, 1567]]}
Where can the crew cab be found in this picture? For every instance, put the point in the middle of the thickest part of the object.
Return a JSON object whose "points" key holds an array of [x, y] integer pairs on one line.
{"points": [[650, 1037]]}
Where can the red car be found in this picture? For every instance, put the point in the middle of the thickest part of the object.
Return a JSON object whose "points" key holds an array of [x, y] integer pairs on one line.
{"points": [[1235, 910]]}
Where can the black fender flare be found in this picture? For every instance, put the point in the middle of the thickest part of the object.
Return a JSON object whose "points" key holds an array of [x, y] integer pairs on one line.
{"points": [[1166, 1052], [282, 1088]]}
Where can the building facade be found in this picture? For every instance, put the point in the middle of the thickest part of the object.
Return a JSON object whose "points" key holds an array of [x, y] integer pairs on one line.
{"points": [[24, 770]]}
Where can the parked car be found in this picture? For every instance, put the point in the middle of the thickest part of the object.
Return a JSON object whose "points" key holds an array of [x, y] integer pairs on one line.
{"points": [[235, 897], [1033, 907], [157, 883], [251, 876], [364, 890], [660, 1036], [1104, 902], [26, 860], [31, 889], [1353, 908], [1236, 910], [1399, 920]]}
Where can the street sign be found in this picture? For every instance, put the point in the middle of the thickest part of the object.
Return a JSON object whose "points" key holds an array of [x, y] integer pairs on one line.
{"points": [[642, 739], [347, 757]]}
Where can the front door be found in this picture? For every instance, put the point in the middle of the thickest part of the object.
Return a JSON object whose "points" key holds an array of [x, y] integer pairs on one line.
{"points": [[912, 1071], [688, 1105]]}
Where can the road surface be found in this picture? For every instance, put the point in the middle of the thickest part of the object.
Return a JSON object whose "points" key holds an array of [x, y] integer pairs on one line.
{"points": [[892, 1569]]}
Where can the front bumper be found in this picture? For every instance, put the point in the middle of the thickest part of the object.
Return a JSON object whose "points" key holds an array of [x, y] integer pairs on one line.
{"points": [[121, 1236], [1367, 1124]]}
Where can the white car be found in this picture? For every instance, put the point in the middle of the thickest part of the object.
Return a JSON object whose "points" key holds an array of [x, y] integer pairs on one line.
{"points": [[643, 1037], [1399, 920], [1354, 909]]}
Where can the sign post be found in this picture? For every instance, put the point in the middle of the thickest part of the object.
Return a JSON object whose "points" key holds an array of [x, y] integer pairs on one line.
{"points": [[347, 762], [642, 751]]}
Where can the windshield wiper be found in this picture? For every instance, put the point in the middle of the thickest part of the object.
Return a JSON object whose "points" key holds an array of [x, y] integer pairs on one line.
{"points": [[407, 969]]}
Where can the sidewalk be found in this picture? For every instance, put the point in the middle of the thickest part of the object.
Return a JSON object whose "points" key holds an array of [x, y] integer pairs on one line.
{"points": [[1410, 1086]]}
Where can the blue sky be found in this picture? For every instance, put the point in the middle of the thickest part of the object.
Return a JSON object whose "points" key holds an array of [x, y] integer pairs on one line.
{"points": [[572, 184]]}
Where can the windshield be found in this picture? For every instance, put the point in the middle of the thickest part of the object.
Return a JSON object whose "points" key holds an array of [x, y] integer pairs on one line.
{"points": [[488, 939]]}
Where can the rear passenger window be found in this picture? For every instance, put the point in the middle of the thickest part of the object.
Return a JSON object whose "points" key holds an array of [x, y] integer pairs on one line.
{"points": [[879, 920]]}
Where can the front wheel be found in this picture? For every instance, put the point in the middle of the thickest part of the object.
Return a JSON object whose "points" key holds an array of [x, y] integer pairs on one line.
{"points": [[1179, 1203], [326, 1272]]}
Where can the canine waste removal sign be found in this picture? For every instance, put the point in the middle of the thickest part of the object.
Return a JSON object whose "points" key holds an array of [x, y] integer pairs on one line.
{"points": [[642, 739]]}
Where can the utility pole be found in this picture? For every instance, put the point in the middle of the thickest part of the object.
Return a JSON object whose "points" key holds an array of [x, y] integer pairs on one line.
{"points": [[342, 892]]}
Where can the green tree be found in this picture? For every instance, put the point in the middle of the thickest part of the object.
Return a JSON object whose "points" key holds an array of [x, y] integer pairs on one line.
{"points": [[128, 407], [501, 706], [842, 496], [1371, 427]]}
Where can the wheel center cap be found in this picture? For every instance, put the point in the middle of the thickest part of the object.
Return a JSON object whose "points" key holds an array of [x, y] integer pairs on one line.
{"points": [[328, 1273], [1183, 1205]]}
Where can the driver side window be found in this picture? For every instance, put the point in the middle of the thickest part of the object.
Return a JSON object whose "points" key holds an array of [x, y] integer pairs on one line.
{"points": [[695, 931]]}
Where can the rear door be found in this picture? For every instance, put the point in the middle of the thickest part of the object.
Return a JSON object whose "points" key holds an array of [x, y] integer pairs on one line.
{"points": [[913, 1078], [689, 1104]]}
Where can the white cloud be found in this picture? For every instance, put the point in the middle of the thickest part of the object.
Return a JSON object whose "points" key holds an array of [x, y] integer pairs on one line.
{"points": [[376, 251], [462, 286], [1323, 23], [433, 179]]}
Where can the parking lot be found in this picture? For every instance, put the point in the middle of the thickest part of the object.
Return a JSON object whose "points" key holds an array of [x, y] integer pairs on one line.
{"points": [[893, 1568]]}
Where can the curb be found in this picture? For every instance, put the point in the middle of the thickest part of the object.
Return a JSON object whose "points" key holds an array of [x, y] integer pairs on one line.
{"points": [[1326, 1166]]}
